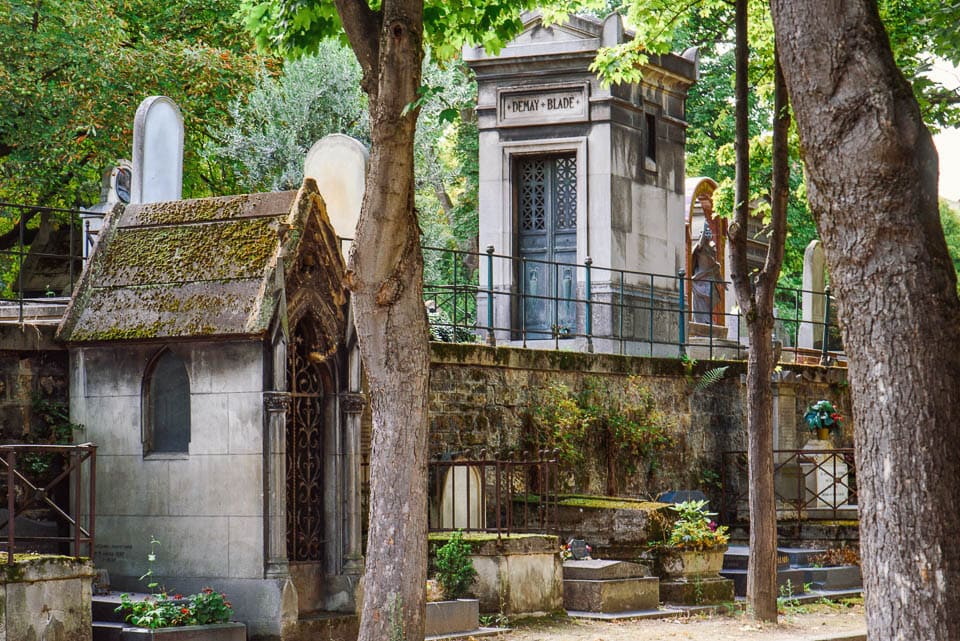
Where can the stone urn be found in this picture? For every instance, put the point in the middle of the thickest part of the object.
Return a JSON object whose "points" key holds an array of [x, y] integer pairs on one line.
{"points": [[678, 563]]}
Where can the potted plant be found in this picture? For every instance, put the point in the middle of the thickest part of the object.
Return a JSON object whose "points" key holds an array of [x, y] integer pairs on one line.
{"points": [[823, 418], [696, 543], [454, 575]]}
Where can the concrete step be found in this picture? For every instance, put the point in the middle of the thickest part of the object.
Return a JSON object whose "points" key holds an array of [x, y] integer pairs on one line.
{"points": [[789, 581], [841, 577], [104, 606], [107, 631]]}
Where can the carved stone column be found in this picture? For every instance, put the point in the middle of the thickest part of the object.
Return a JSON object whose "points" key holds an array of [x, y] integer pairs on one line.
{"points": [[276, 405], [352, 404]]}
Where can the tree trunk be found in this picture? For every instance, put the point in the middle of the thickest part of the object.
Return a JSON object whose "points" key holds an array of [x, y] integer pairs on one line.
{"points": [[385, 277], [872, 186], [755, 295]]}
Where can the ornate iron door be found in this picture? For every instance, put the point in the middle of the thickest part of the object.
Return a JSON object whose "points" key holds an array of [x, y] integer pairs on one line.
{"points": [[305, 433], [547, 222]]}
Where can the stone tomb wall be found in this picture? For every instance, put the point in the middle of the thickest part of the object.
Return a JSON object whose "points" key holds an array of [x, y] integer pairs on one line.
{"points": [[483, 397]]}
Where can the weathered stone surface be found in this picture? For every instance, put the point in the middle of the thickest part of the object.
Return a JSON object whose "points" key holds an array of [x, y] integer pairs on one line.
{"points": [[614, 595], [46, 597], [833, 578], [451, 617], [212, 632], [601, 570], [790, 581], [705, 591]]}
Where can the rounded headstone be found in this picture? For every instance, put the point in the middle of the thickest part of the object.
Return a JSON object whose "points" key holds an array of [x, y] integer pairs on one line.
{"points": [[339, 165], [157, 174]]}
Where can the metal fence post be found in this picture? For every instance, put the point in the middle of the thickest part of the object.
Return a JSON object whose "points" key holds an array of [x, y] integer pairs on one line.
{"points": [[491, 338], [825, 347], [681, 275], [589, 320]]}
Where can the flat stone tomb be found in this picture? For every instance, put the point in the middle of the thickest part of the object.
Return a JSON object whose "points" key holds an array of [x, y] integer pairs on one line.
{"points": [[608, 587]]}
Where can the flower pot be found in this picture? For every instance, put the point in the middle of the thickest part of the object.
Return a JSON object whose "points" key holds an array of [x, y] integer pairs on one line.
{"points": [[677, 563], [452, 617], [823, 433], [210, 632]]}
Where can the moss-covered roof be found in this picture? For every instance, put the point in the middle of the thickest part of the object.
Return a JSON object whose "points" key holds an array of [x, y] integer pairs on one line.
{"points": [[190, 268]]}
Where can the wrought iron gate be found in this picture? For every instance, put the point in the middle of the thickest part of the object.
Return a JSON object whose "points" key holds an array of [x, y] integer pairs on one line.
{"points": [[305, 433], [547, 223]]}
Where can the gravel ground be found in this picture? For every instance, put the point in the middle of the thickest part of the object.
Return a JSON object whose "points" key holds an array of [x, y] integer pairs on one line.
{"points": [[800, 623]]}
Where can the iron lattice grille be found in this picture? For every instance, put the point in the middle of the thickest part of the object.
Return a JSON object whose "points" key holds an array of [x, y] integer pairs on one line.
{"points": [[305, 454], [533, 194], [566, 189]]}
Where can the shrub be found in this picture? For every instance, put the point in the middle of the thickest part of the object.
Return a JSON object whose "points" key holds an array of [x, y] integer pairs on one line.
{"points": [[455, 571]]}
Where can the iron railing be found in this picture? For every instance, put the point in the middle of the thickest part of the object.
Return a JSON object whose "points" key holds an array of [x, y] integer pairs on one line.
{"points": [[607, 310], [809, 484], [20, 300], [497, 495], [25, 491]]}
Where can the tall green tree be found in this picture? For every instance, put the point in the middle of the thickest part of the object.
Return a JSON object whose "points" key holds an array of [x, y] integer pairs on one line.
{"points": [[872, 175], [385, 271], [73, 72]]}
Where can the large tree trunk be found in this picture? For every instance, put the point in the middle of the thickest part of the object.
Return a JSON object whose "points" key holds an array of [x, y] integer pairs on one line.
{"points": [[755, 295], [385, 276], [872, 186]]}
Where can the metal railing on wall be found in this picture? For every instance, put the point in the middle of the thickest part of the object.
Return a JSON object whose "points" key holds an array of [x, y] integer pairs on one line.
{"points": [[809, 484], [482, 493], [62, 495], [72, 229], [604, 309]]}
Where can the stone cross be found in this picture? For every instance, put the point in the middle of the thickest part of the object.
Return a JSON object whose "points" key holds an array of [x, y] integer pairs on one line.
{"points": [[339, 165], [157, 151]]}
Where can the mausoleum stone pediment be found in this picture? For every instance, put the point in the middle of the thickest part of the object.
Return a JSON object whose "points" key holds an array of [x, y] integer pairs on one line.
{"points": [[206, 268]]}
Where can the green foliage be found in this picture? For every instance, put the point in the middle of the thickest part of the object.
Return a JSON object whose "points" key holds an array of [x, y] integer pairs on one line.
{"points": [[274, 125], [163, 610], [455, 571], [711, 377], [950, 220], [822, 415], [626, 427], [52, 427], [695, 529], [72, 74]]}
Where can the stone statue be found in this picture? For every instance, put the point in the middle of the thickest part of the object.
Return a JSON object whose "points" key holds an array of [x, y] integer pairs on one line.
{"points": [[707, 280]]}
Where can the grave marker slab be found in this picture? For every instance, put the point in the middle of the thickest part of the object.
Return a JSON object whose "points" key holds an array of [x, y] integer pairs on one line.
{"points": [[157, 173], [339, 165]]}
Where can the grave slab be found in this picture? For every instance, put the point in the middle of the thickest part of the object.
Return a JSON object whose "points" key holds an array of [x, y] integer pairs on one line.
{"points": [[703, 591], [601, 570], [612, 595], [833, 578]]}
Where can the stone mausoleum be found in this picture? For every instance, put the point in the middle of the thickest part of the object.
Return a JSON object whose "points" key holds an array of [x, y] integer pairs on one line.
{"points": [[212, 360], [571, 169]]}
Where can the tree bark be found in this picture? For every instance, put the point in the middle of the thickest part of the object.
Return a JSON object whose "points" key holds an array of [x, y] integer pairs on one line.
{"points": [[872, 187], [755, 295], [385, 276]]}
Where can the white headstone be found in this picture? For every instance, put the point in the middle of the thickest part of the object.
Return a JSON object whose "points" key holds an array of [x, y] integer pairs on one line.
{"points": [[814, 282], [461, 503], [339, 165], [157, 151]]}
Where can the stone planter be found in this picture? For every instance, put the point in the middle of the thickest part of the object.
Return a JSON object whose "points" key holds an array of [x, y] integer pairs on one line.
{"points": [[210, 632], [452, 617], [677, 563]]}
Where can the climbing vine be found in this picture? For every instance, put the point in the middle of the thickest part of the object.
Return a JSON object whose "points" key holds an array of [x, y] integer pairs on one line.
{"points": [[624, 426]]}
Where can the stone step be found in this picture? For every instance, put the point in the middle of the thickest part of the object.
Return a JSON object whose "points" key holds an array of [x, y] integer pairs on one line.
{"points": [[107, 631], [840, 577], [601, 570], [737, 557], [700, 591], [611, 595], [790, 581]]}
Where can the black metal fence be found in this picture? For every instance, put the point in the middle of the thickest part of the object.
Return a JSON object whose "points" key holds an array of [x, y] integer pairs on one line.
{"points": [[49, 479], [592, 308], [809, 484], [41, 258], [493, 494]]}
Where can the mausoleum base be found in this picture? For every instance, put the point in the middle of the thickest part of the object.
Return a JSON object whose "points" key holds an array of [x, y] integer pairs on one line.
{"points": [[697, 591]]}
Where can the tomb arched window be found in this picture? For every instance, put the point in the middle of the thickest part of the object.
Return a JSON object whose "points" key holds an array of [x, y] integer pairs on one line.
{"points": [[166, 406]]}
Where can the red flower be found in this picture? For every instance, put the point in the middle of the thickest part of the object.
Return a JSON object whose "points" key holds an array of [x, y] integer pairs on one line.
{"points": [[178, 596], [184, 610]]}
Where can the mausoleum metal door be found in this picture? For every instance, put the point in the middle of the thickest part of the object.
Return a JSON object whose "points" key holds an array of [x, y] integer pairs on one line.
{"points": [[547, 240], [305, 434]]}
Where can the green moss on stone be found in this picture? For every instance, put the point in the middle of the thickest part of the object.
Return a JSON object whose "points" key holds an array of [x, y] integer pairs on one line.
{"points": [[609, 503]]}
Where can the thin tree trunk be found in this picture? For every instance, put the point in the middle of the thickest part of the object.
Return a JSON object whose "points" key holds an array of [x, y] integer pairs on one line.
{"points": [[872, 186], [755, 296], [385, 277]]}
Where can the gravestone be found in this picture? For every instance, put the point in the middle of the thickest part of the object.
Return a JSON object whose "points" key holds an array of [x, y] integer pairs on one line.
{"points": [[608, 587], [339, 165], [461, 502], [810, 334], [157, 173], [114, 189]]}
